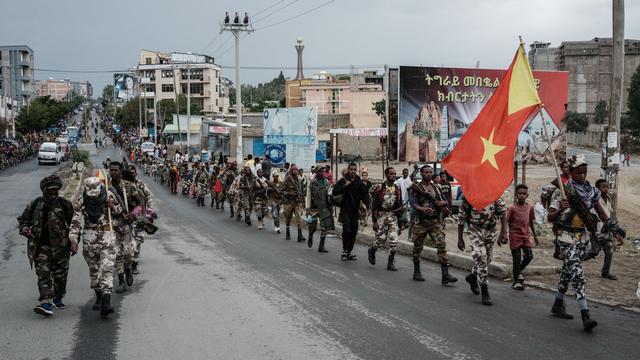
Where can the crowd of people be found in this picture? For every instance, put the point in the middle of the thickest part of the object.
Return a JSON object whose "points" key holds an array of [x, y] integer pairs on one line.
{"points": [[254, 191], [24, 147]]}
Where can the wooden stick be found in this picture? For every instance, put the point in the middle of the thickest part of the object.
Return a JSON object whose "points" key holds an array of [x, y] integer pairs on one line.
{"points": [[106, 182], [553, 157]]}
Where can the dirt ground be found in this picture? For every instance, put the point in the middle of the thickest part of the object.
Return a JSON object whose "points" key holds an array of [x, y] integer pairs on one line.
{"points": [[626, 259]]}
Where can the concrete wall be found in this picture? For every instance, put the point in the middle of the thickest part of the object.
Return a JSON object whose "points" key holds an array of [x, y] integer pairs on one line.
{"points": [[587, 139]]}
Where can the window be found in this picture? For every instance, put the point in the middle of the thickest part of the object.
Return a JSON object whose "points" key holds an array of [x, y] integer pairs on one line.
{"points": [[216, 101], [167, 73], [167, 88], [147, 61]]}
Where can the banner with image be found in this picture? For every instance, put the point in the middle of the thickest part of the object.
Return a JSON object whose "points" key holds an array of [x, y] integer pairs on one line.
{"points": [[295, 129]]}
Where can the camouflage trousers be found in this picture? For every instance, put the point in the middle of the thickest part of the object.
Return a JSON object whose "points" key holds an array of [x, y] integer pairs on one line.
{"points": [[291, 210], [387, 231], [313, 225], [482, 241], [125, 247], [242, 203], [261, 208], [99, 250], [429, 232], [275, 213], [52, 266], [201, 190], [572, 246], [138, 240]]}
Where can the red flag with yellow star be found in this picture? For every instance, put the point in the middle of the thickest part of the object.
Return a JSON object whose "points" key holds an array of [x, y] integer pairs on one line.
{"points": [[482, 161]]}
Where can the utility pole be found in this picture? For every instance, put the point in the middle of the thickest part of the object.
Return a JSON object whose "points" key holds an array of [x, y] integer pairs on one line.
{"points": [[139, 102], [189, 108], [617, 84], [236, 28], [13, 108]]}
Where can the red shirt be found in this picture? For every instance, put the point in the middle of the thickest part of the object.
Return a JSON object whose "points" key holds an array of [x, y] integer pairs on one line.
{"points": [[518, 219]]}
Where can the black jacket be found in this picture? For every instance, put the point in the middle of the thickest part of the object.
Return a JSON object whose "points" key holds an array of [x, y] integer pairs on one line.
{"points": [[353, 194]]}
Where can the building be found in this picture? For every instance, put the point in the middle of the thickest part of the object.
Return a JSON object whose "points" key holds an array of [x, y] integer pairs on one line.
{"points": [[56, 89], [82, 88], [589, 67], [156, 70], [16, 68]]}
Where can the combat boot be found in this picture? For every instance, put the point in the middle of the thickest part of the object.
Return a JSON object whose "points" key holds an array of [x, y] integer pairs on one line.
{"points": [[260, 224], [106, 308], [310, 240], [231, 208], [321, 245], [486, 299], [134, 268], [301, 237], [288, 234], [446, 278], [472, 279], [247, 219], [417, 276], [121, 287], [390, 263], [128, 276], [372, 255], [238, 216], [98, 304], [559, 310], [587, 322]]}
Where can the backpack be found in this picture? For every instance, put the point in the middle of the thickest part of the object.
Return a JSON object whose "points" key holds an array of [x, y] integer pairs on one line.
{"points": [[334, 200]]}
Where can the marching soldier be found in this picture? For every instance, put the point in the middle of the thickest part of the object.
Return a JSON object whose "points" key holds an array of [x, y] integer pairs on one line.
{"points": [[482, 226], [387, 206], [138, 231], [427, 201], [242, 189], [230, 175], [45, 223], [292, 199], [260, 201], [275, 199], [319, 209], [91, 216], [201, 182]]}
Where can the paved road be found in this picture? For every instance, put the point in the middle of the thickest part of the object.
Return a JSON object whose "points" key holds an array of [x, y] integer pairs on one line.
{"points": [[211, 287]]}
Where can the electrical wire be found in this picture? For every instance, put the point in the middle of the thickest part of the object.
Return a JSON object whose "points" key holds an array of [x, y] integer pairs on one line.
{"points": [[297, 16], [255, 21]]}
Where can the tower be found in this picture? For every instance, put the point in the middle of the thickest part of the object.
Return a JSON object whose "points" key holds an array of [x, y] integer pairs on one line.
{"points": [[299, 48]]}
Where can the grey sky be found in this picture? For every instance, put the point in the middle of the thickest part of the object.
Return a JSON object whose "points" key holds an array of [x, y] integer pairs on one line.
{"points": [[108, 35]]}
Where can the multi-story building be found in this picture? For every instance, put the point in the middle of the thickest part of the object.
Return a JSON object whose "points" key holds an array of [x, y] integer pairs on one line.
{"points": [[589, 66], [56, 89], [156, 70], [16, 73]]}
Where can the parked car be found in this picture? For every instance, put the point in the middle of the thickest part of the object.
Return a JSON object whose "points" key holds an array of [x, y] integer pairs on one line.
{"points": [[148, 147], [50, 153]]}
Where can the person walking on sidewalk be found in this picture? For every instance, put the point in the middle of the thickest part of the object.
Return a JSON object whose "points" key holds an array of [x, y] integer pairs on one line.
{"points": [[429, 206], [354, 194], [520, 220], [607, 246], [482, 226], [386, 205], [45, 223], [318, 208]]}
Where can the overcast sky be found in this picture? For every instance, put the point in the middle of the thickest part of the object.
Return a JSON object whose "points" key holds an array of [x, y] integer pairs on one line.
{"points": [[108, 35]]}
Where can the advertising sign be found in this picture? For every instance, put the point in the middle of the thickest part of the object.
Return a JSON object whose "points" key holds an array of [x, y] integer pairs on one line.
{"points": [[437, 105], [214, 129], [296, 128], [124, 85]]}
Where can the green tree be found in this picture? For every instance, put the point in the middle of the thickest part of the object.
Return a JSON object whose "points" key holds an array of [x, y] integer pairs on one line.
{"points": [[380, 107], [107, 95], [254, 97], [129, 114], [576, 122], [632, 121], [601, 112]]}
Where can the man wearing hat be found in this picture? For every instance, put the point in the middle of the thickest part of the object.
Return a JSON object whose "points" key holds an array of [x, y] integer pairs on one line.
{"points": [[229, 177], [93, 212], [45, 223], [318, 208], [275, 198]]}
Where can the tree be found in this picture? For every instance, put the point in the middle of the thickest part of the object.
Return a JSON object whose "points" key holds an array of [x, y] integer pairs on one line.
{"points": [[129, 114], [380, 108], [107, 95], [632, 121], [601, 112], [576, 122], [255, 97]]}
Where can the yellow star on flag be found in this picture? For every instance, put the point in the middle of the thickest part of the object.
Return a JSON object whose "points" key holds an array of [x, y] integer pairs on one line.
{"points": [[490, 150]]}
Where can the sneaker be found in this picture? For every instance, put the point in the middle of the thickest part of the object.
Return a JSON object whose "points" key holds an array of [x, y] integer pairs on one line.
{"points": [[517, 286], [58, 303], [344, 256], [521, 279], [44, 309]]}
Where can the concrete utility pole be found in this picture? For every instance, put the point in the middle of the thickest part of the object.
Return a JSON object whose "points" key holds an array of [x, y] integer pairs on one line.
{"points": [[236, 28], [617, 84], [189, 108]]}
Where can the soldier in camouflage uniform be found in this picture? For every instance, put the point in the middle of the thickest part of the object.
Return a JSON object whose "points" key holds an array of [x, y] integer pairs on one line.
{"points": [[230, 175], [138, 231], [91, 217], [430, 206], [260, 201], [122, 225], [45, 223], [275, 199], [483, 228], [242, 189], [202, 183], [292, 200], [570, 215], [319, 209], [386, 205]]}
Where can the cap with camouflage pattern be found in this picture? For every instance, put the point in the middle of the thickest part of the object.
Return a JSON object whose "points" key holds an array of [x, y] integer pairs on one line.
{"points": [[92, 186]]}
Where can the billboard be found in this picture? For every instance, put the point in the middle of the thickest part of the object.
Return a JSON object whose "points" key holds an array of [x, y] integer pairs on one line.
{"points": [[296, 129], [124, 87], [437, 105]]}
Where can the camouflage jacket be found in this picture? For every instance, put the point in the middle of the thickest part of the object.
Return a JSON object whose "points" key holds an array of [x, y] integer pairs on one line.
{"points": [[58, 222], [145, 191], [486, 218], [260, 188], [133, 198], [292, 190], [228, 178], [384, 200], [425, 194], [80, 219]]}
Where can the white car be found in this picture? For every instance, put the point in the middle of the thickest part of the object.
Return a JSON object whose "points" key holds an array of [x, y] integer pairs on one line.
{"points": [[148, 147], [50, 153]]}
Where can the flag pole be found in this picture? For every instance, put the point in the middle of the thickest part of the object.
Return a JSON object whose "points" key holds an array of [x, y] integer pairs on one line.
{"points": [[553, 157]]}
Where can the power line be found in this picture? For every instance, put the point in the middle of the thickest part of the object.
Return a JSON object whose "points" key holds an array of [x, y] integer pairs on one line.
{"points": [[255, 21], [268, 7], [297, 16]]}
